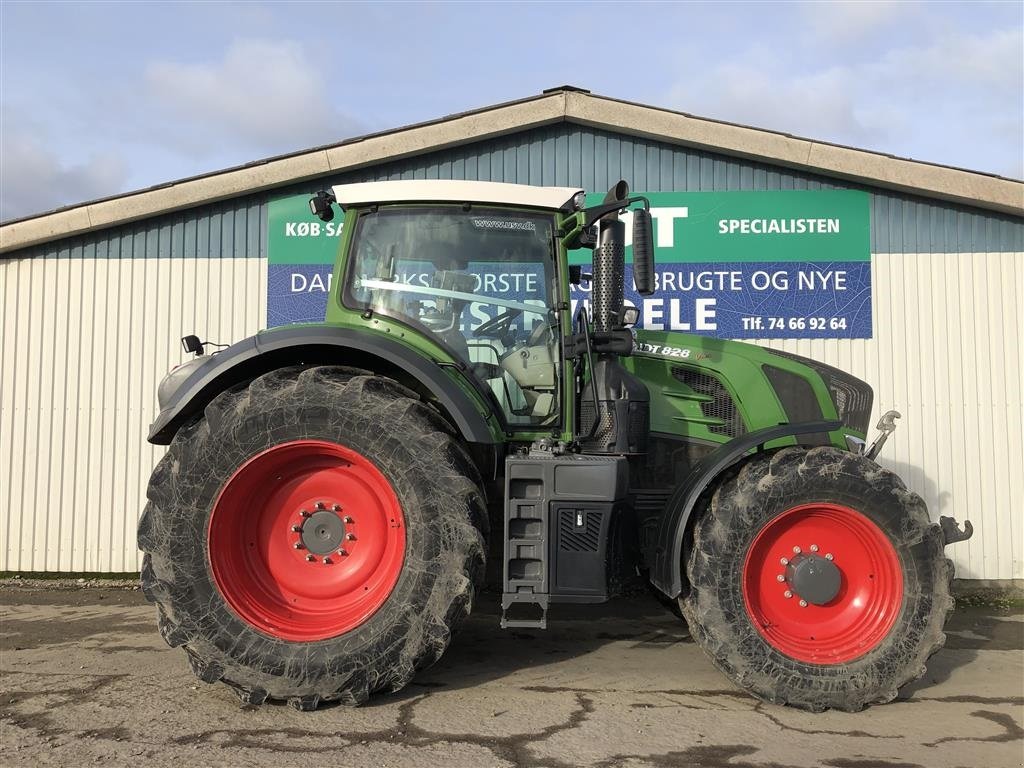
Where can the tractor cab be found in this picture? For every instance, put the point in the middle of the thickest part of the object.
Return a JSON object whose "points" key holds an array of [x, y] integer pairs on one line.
{"points": [[481, 281], [480, 269]]}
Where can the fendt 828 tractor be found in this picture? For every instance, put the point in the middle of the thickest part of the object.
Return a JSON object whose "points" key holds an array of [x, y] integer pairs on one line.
{"points": [[332, 493]]}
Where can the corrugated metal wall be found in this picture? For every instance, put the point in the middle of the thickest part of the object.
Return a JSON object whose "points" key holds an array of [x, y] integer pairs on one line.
{"points": [[91, 324], [89, 329]]}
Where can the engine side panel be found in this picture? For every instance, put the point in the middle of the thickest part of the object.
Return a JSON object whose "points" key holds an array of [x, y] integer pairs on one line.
{"points": [[712, 390]]}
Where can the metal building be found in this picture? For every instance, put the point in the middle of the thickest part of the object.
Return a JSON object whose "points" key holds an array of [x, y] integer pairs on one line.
{"points": [[94, 298]]}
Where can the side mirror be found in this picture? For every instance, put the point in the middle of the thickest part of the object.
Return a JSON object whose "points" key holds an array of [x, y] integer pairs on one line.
{"points": [[577, 275], [643, 252], [630, 316], [320, 206]]}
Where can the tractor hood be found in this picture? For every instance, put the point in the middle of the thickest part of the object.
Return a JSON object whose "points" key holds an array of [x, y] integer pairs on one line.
{"points": [[737, 387]]}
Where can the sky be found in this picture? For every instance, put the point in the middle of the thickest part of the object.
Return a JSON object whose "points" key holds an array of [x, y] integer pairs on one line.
{"points": [[99, 98]]}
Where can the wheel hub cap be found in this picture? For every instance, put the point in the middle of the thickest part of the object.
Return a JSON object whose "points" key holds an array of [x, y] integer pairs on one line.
{"points": [[814, 578], [323, 532]]}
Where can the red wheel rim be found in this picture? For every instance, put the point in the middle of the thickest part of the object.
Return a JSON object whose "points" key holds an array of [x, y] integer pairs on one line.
{"points": [[870, 591], [273, 520]]}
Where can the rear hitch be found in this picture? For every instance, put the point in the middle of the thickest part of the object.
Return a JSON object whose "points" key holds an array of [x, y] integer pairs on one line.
{"points": [[887, 425], [951, 530]]}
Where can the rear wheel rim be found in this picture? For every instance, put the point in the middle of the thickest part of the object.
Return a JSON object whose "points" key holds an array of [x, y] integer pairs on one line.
{"points": [[306, 540], [866, 602]]}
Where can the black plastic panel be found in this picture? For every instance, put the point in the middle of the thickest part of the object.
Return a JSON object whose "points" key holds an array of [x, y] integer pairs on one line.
{"points": [[852, 397], [795, 393], [558, 512]]}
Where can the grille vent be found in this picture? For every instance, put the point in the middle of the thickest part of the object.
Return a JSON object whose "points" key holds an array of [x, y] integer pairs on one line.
{"points": [[605, 429], [585, 539], [721, 406], [852, 397]]}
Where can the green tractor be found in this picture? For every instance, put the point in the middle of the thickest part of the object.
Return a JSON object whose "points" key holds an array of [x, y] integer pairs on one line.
{"points": [[332, 493]]}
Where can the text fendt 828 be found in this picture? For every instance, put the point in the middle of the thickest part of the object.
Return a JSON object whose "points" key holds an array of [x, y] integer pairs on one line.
{"points": [[332, 492]]}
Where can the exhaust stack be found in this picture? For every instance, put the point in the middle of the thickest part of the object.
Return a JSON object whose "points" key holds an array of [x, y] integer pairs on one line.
{"points": [[614, 406], [608, 294]]}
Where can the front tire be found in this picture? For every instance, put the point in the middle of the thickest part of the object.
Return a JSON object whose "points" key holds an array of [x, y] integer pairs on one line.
{"points": [[314, 537], [818, 581]]}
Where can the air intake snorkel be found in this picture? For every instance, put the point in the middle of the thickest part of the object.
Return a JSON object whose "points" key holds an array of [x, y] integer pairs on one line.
{"points": [[608, 240], [614, 408]]}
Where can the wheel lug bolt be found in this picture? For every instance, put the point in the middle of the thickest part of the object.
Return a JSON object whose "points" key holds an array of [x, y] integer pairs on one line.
{"points": [[320, 505], [787, 594], [814, 547], [303, 513], [298, 545], [310, 558], [343, 552], [803, 603], [784, 561], [327, 561], [337, 508], [780, 577], [350, 536], [797, 550], [297, 528], [828, 556], [348, 519]]}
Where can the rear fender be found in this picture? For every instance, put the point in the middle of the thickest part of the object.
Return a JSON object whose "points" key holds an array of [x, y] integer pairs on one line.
{"points": [[666, 563], [323, 344]]}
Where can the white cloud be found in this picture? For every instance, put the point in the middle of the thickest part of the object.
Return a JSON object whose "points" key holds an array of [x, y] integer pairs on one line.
{"points": [[817, 104], [268, 96], [992, 61], [33, 178], [928, 101], [851, 22]]}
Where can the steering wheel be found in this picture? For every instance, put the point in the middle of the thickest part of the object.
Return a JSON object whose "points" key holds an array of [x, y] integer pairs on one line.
{"points": [[498, 327]]}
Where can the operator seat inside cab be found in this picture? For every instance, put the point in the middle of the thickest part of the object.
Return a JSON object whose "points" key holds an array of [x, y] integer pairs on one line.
{"points": [[450, 274]]}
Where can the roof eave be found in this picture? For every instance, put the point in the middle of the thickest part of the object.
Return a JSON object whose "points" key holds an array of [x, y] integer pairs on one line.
{"points": [[872, 169], [248, 179]]}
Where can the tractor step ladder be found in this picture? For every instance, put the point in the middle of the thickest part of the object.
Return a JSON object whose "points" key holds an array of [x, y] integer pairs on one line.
{"points": [[557, 514], [526, 551]]}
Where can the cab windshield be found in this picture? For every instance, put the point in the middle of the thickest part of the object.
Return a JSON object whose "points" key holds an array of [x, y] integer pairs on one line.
{"points": [[482, 282]]}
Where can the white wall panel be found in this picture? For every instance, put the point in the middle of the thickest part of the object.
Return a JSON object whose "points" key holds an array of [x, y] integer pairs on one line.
{"points": [[85, 341]]}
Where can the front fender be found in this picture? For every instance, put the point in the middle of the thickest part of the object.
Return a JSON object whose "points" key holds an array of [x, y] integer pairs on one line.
{"points": [[322, 344], [667, 561]]}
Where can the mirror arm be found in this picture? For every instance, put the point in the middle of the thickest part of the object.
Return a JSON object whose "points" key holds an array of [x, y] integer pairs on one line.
{"points": [[591, 215]]}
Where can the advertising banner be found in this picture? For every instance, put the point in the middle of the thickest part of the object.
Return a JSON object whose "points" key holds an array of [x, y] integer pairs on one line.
{"points": [[741, 265], [301, 251]]}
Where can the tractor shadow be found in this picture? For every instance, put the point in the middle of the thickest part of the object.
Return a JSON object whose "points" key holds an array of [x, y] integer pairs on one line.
{"points": [[482, 651]]}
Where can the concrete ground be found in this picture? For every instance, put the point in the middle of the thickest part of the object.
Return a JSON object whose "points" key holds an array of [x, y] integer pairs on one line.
{"points": [[86, 679]]}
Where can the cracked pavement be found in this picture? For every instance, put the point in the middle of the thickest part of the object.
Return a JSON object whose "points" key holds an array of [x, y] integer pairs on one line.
{"points": [[86, 679]]}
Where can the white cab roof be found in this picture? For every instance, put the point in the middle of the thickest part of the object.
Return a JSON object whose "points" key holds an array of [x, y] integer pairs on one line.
{"points": [[443, 191]]}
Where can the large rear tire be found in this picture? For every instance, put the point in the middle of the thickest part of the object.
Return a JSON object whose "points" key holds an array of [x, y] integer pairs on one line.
{"points": [[818, 581], [314, 537]]}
